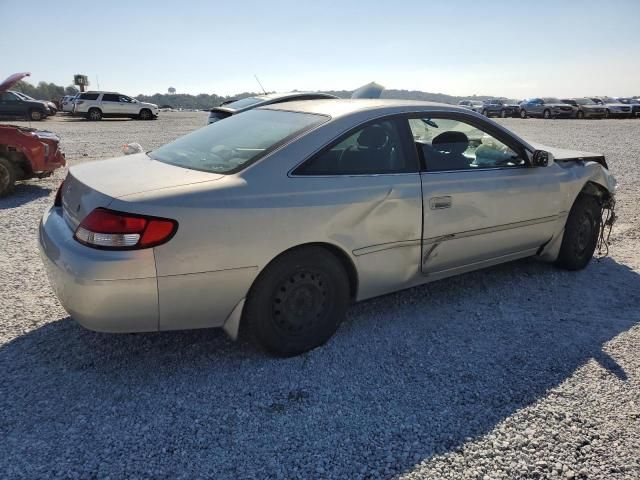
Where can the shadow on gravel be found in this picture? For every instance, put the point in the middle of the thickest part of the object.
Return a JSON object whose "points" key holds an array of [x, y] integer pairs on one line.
{"points": [[408, 376], [23, 193]]}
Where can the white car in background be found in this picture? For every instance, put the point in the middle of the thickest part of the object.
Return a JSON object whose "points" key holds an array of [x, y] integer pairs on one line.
{"points": [[99, 105], [67, 102]]}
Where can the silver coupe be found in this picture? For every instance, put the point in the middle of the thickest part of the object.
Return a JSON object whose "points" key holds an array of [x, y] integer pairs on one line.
{"points": [[273, 221]]}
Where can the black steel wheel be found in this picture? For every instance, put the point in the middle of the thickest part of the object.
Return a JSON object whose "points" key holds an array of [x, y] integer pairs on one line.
{"points": [[580, 233], [297, 302]]}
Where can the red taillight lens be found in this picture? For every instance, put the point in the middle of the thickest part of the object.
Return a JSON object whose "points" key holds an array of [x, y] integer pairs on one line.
{"points": [[108, 229], [57, 202]]}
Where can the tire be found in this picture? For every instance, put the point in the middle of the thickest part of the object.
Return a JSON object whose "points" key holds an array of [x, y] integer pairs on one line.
{"points": [[297, 303], [145, 114], [7, 177], [35, 115], [580, 115], [580, 233], [546, 114], [523, 114], [94, 114], [503, 113], [485, 113], [607, 113]]}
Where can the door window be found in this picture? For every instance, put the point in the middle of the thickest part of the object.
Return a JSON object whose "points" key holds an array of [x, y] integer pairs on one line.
{"points": [[110, 97], [374, 149], [447, 144]]}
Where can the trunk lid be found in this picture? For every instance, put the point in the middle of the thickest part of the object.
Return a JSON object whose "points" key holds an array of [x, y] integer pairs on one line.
{"points": [[97, 184]]}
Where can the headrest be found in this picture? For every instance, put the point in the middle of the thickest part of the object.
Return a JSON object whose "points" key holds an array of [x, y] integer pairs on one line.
{"points": [[373, 136], [451, 142]]}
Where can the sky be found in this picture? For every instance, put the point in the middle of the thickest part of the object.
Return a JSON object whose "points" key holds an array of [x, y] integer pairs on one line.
{"points": [[516, 48]]}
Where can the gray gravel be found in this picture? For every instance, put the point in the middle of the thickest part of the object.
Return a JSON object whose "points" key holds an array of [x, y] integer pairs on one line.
{"points": [[519, 371]]}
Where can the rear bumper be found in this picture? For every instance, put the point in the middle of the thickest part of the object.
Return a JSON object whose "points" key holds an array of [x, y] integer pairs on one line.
{"points": [[86, 280]]}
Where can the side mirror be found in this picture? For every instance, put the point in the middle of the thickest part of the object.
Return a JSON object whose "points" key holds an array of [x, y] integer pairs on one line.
{"points": [[541, 158]]}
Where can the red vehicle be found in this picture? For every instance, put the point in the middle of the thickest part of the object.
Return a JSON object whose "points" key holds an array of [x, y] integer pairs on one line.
{"points": [[26, 152]]}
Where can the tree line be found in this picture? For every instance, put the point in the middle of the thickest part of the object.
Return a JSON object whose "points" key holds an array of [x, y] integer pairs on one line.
{"points": [[51, 91]]}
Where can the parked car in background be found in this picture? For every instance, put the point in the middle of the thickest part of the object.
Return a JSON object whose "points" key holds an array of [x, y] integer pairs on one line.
{"points": [[237, 106], [67, 102], [613, 107], [51, 107], [546, 107], [272, 222], [499, 108], [475, 105], [634, 103], [585, 107], [98, 105], [25, 152]]}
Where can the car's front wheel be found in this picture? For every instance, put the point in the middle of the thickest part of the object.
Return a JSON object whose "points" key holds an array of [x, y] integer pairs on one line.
{"points": [[297, 302], [580, 233], [546, 114], [580, 115], [7, 177], [35, 115], [485, 113], [145, 114], [523, 113]]}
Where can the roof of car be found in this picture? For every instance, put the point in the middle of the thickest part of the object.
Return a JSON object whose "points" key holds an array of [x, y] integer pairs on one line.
{"points": [[339, 107]]}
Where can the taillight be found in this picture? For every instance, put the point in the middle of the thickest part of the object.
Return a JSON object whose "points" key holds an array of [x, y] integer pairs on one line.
{"points": [[57, 202], [113, 230]]}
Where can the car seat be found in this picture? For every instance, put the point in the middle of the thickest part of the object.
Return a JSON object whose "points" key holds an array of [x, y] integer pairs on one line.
{"points": [[373, 153], [447, 152]]}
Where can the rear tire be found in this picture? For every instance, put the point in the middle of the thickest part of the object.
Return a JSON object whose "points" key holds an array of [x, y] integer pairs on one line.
{"points": [[7, 177], [297, 303], [580, 233], [94, 114], [485, 113], [546, 114], [523, 114]]}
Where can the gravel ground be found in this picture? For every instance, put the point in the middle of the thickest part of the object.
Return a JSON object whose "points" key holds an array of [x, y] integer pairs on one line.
{"points": [[519, 371]]}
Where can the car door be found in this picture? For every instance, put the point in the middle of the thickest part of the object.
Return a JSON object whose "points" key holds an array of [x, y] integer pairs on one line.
{"points": [[11, 105], [483, 203], [366, 186], [128, 106], [110, 103]]}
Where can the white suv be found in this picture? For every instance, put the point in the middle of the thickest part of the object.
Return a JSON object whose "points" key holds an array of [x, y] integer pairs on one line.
{"points": [[96, 105]]}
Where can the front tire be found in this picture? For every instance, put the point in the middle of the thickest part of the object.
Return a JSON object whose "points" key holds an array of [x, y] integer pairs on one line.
{"points": [[35, 115], [523, 114], [145, 114], [580, 233], [7, 177], [297, 302], [580, 115]]}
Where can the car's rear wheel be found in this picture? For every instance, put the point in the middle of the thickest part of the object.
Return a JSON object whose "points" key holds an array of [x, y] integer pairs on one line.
{"points": [[503, 113], [297, 302], [145, 114], [546, 114], [607, 113], [35, 115], [580, 114], [7, 177], [523, 113], [580, 233], [94, 114]]}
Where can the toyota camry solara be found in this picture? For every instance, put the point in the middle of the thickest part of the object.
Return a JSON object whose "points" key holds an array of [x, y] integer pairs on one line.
{"points": [[273, 221]]}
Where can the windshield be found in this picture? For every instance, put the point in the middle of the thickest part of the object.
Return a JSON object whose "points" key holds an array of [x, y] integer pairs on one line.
{"points": [[245, 102], [585, 101], [223, 147], [23, 96], [551, 100]]}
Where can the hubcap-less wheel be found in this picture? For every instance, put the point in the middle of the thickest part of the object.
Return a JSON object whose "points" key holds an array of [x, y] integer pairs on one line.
{"points": [[299, 302], [583, 234]]}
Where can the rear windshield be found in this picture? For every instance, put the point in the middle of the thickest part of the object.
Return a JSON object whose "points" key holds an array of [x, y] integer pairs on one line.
{"points": [[225, 147]]}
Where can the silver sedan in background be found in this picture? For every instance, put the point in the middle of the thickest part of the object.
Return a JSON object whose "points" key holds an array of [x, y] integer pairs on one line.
{"points": [[273, 221]]}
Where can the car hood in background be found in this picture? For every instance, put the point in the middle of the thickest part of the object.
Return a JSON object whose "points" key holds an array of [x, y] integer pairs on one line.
{"points": [[137, 173], [12, 80]]}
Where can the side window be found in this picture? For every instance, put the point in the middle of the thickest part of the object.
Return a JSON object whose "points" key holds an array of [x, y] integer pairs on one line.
{"points": [[374, 149], [123, 99], [446, 144], [89, 96], [110, 97], [9, 97]]}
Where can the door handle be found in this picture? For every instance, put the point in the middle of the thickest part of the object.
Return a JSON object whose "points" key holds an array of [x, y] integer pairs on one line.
{"points": [[436, 203]]}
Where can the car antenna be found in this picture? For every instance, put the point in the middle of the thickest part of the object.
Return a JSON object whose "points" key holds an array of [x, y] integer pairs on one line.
{"points": [[258, 80]]}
